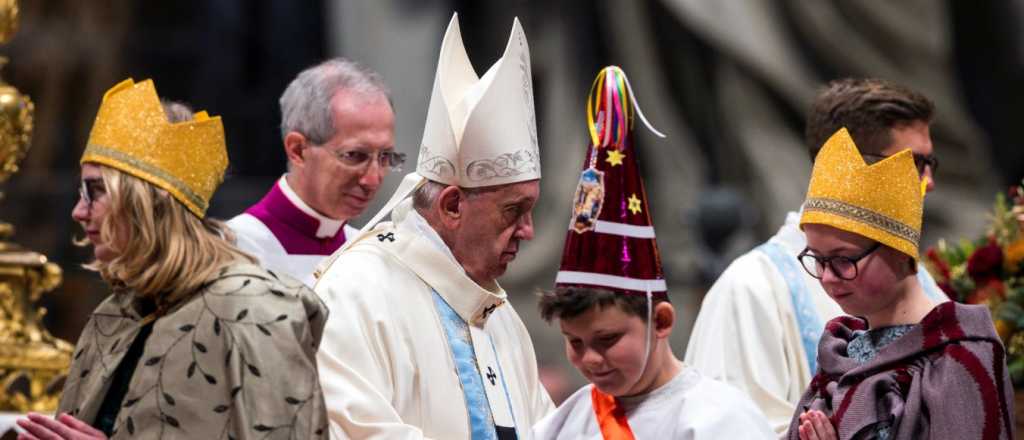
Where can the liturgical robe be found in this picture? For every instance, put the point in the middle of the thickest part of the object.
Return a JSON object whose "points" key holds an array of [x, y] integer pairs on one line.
{"points": [[689, 407], [287, 235], [412, 339]]}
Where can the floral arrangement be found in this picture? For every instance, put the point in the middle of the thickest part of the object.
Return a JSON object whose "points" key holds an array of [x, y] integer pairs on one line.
{"points": [[990, 270]]}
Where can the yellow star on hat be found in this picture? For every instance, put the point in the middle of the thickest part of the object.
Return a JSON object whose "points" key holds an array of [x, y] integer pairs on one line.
{"points": [[634, 204], [615, 157]]}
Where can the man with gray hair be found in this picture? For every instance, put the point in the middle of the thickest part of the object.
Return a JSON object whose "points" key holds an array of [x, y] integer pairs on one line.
{"points": [[422, 342], [337, 127]]}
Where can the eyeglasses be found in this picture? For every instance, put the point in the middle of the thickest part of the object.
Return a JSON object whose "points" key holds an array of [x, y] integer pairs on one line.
{"points": [[392, 160], [843, 267], [91, 190], [920, 161]]}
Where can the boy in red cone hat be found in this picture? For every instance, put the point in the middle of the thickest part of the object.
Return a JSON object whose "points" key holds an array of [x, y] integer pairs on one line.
{"points": [[612, 305]]}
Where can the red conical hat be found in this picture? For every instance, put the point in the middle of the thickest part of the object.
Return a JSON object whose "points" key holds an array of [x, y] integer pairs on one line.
{"points": [[610, 243]]}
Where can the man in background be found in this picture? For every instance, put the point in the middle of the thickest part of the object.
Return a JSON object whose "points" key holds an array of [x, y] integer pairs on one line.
{"points": [[337, 127]]}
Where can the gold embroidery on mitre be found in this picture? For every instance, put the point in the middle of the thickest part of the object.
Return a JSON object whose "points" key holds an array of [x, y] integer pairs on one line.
{"points": [[132, 134], [881, 201]]}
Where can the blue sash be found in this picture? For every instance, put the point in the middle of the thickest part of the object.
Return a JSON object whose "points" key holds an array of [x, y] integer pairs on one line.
{"points": [[928, 284], [807, 318], [481, 421]]}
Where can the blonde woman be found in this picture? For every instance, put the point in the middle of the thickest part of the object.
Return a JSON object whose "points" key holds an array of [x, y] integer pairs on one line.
{"points": [[195, 341]]}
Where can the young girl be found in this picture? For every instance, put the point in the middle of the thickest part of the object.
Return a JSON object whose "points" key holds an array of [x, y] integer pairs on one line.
{"points": [[902, 366]]}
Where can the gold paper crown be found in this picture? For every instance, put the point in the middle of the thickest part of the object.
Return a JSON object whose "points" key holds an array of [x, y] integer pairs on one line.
{"points": [[132, 133], [882, 201]]}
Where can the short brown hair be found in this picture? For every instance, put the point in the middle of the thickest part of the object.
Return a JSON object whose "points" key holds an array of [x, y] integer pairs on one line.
{"points": [[570, 302], [869, 108]]}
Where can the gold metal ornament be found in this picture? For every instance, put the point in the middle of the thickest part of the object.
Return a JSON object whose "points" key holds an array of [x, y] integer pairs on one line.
{"points": [[33, 364], [16, 111], [8, 19]]}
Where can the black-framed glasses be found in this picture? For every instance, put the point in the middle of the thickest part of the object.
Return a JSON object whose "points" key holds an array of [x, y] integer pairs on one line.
{"points": [[843, 267], [389, 159], [90, 190], [920, 161]]}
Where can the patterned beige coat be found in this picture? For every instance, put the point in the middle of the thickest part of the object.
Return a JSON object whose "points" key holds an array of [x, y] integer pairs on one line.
{"points": [[236, 361]]}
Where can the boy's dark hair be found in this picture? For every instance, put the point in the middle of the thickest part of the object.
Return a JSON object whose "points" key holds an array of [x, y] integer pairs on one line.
{"points": [[570, 302], [869, 108]]}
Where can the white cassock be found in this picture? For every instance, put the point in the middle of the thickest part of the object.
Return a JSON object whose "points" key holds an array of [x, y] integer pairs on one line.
{"points": [[287, 235], [759, 325], [689, 407], [415, 349]]}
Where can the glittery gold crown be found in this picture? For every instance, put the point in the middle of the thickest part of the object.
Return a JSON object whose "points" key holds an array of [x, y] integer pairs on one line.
{"points": [[882, 201], [132, 133]]}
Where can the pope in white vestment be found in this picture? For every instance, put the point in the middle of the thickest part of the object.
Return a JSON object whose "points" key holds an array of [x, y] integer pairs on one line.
{"points": [[387, 367], [759, 325], [416, 346]]}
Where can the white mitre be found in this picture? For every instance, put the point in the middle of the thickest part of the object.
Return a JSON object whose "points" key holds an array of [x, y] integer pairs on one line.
{"points": [[480, 131]]}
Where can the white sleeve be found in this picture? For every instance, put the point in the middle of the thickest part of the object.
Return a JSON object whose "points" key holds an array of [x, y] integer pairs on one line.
{"points": [[739, 337], [251, 235], [740, 422], [726, 413], [564, 421], [538, 400], [356, 357]]}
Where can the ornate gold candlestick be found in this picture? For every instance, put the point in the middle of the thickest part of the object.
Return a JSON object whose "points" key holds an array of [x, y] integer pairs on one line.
{"points": [[33, 363]]}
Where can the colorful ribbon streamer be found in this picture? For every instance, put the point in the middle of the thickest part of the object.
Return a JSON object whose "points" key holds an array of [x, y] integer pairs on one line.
{"points": [[610, 107]]}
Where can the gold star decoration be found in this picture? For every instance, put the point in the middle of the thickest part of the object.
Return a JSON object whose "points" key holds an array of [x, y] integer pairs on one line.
{"points": [[615, 157], [634, 204]]}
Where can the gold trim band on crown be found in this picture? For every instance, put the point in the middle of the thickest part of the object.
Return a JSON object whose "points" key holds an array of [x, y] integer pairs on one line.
{"points": [[171, 180], [872, 218]]}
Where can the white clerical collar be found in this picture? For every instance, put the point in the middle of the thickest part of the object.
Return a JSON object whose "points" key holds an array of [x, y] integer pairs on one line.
{"points": [[471, 301], [328, 226], [790, 233]]}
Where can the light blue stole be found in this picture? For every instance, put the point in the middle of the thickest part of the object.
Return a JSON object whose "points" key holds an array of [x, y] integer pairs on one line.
{"points": [[481, 420], [807, 319]]}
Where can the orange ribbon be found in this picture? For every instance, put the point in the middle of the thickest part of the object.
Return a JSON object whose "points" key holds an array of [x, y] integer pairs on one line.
{"points": [[610, 417]]}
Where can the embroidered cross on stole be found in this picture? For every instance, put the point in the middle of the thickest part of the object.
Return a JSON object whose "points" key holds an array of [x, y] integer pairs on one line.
{"points": [[483, 385]]}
